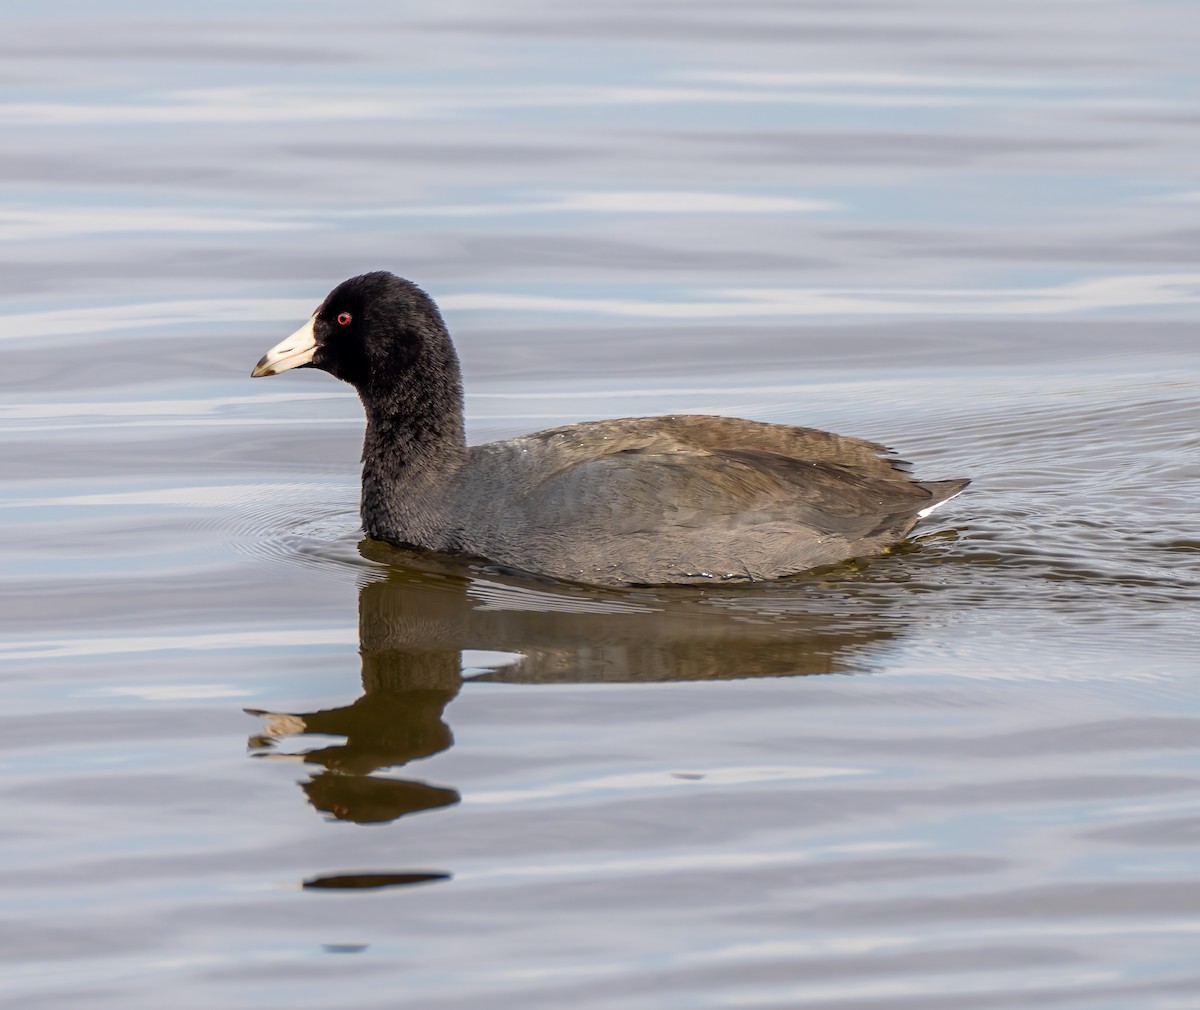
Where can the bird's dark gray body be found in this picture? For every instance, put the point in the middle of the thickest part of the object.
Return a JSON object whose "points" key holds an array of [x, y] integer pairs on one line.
{"points": [[688, 499], [657, 500]]}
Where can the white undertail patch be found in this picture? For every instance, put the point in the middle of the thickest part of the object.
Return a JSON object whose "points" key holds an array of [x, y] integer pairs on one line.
{"points": [[937, 505]]}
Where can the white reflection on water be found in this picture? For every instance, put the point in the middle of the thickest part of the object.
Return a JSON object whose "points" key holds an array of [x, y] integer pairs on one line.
{"points": [[17, 224], [212, 495], [263, 638], [1095, 295], [169, 692], [128, 315], [273, 105], [581, 787], [20, 223], [189, 408], [951, 82], [618, 202], [682, 860]]}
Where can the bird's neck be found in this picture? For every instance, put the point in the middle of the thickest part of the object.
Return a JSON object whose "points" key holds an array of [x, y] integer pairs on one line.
{"points": [[413, 448]]}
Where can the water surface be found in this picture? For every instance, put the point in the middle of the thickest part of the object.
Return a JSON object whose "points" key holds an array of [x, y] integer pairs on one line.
{"points": [[253, 760]]}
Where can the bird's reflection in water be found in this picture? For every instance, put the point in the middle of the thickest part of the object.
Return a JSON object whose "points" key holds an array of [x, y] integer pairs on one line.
{"points": [[416, 620], [410, 672]]}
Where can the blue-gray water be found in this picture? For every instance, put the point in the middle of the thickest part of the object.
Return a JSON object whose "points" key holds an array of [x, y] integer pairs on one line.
{"points": [[967, 775]]}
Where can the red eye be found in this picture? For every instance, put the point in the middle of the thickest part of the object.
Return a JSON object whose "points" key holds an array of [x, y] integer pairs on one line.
{"points": [[344, 318]]}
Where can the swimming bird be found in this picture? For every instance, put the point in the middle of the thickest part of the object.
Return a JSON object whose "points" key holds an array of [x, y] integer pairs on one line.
{"points": [[634, 501]]}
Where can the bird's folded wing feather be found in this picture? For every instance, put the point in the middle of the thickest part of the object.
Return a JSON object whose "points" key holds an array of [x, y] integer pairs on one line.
{"points": [[647, 488]]}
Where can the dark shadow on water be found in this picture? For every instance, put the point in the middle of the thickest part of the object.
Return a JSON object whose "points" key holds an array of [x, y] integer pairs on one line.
{"points": [[370, 881]]}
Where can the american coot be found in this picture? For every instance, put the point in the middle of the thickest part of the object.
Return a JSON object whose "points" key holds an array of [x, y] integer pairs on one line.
{"points": [[632, 501]]}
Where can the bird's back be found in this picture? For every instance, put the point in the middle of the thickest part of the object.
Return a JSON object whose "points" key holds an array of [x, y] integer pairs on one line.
{"points": [[684, 499]]}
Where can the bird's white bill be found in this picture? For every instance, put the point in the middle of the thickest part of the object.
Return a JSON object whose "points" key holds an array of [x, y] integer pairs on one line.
{"points": [[296, 350]]}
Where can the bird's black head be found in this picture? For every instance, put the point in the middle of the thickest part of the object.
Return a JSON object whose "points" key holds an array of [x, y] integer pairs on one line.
{"points": [[368, 331]]}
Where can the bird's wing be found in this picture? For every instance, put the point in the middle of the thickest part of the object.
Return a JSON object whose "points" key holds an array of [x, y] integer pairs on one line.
{"points": [[658, 487]]}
